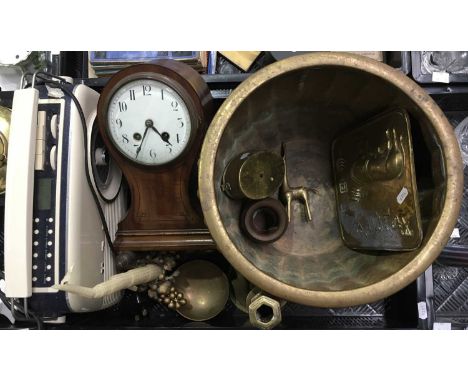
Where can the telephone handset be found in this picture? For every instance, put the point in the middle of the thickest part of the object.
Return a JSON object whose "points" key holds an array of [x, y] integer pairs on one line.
{"points": [[53, 231], [19, 194]]}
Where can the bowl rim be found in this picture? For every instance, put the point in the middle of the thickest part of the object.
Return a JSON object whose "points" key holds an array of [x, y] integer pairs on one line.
{"points": [[369, 293]]}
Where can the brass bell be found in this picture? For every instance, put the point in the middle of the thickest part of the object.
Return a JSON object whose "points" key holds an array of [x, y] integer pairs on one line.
{"points": [[205, 288]]}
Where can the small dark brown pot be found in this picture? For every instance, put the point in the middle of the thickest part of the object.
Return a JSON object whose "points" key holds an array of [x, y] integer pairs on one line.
{"points": [[264, 221]]}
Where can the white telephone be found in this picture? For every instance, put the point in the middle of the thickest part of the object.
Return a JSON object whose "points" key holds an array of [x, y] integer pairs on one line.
{"points": [[53, 231]]}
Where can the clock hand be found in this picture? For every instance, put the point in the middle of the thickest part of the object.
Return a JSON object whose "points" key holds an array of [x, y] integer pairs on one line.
{"points": [[165, 138], [142, 140]]}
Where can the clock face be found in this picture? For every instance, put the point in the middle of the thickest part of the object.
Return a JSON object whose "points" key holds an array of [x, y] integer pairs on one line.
{"points": [[149, 122]]}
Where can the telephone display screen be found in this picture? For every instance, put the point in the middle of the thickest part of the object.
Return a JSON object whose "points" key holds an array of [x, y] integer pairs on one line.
{"points": [[45, 194]]}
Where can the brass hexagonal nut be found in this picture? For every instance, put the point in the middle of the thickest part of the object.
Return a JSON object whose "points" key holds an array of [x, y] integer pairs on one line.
{"points": [[264, 312]]}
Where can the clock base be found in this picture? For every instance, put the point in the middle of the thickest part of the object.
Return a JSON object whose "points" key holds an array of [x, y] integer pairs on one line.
{"points": [[164, 240]]}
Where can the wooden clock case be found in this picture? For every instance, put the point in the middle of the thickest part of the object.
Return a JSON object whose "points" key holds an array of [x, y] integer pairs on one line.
{"points": [[162, 213]]}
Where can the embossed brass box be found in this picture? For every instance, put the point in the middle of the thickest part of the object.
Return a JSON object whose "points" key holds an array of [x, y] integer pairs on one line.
{"points": [[375, 185]]}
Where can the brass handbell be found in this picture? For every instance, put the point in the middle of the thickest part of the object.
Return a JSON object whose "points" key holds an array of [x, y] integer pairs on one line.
{"points": [[5, 119]]}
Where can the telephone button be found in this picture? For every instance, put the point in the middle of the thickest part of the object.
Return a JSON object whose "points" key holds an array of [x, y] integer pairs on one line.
{"points": [[54, 125], [53, 157]]}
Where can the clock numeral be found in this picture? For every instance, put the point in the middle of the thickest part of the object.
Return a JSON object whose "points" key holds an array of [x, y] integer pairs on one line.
{"points": [[170, 148], [125, 138], [132, 95], [181, 122], [146, 90], [177, 138], [152, 154], [175, 105], [122, 106], [162, 94], [118, 121]]}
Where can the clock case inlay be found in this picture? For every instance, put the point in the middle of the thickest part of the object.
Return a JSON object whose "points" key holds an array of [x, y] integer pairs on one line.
{"points": [[163, 214]]}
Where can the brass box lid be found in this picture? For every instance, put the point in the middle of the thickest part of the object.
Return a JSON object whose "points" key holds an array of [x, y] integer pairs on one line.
{"points": [[375, 185]]}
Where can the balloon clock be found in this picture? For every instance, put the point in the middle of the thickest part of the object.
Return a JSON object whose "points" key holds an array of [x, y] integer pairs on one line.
{"points": [[152, 118]]}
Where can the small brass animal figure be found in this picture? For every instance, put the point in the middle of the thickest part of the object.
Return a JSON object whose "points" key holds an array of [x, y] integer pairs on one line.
{"points": [[288, 193]]}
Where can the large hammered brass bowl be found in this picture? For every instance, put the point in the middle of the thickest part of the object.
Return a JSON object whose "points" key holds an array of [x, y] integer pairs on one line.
{"points": [[307, 101]]}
